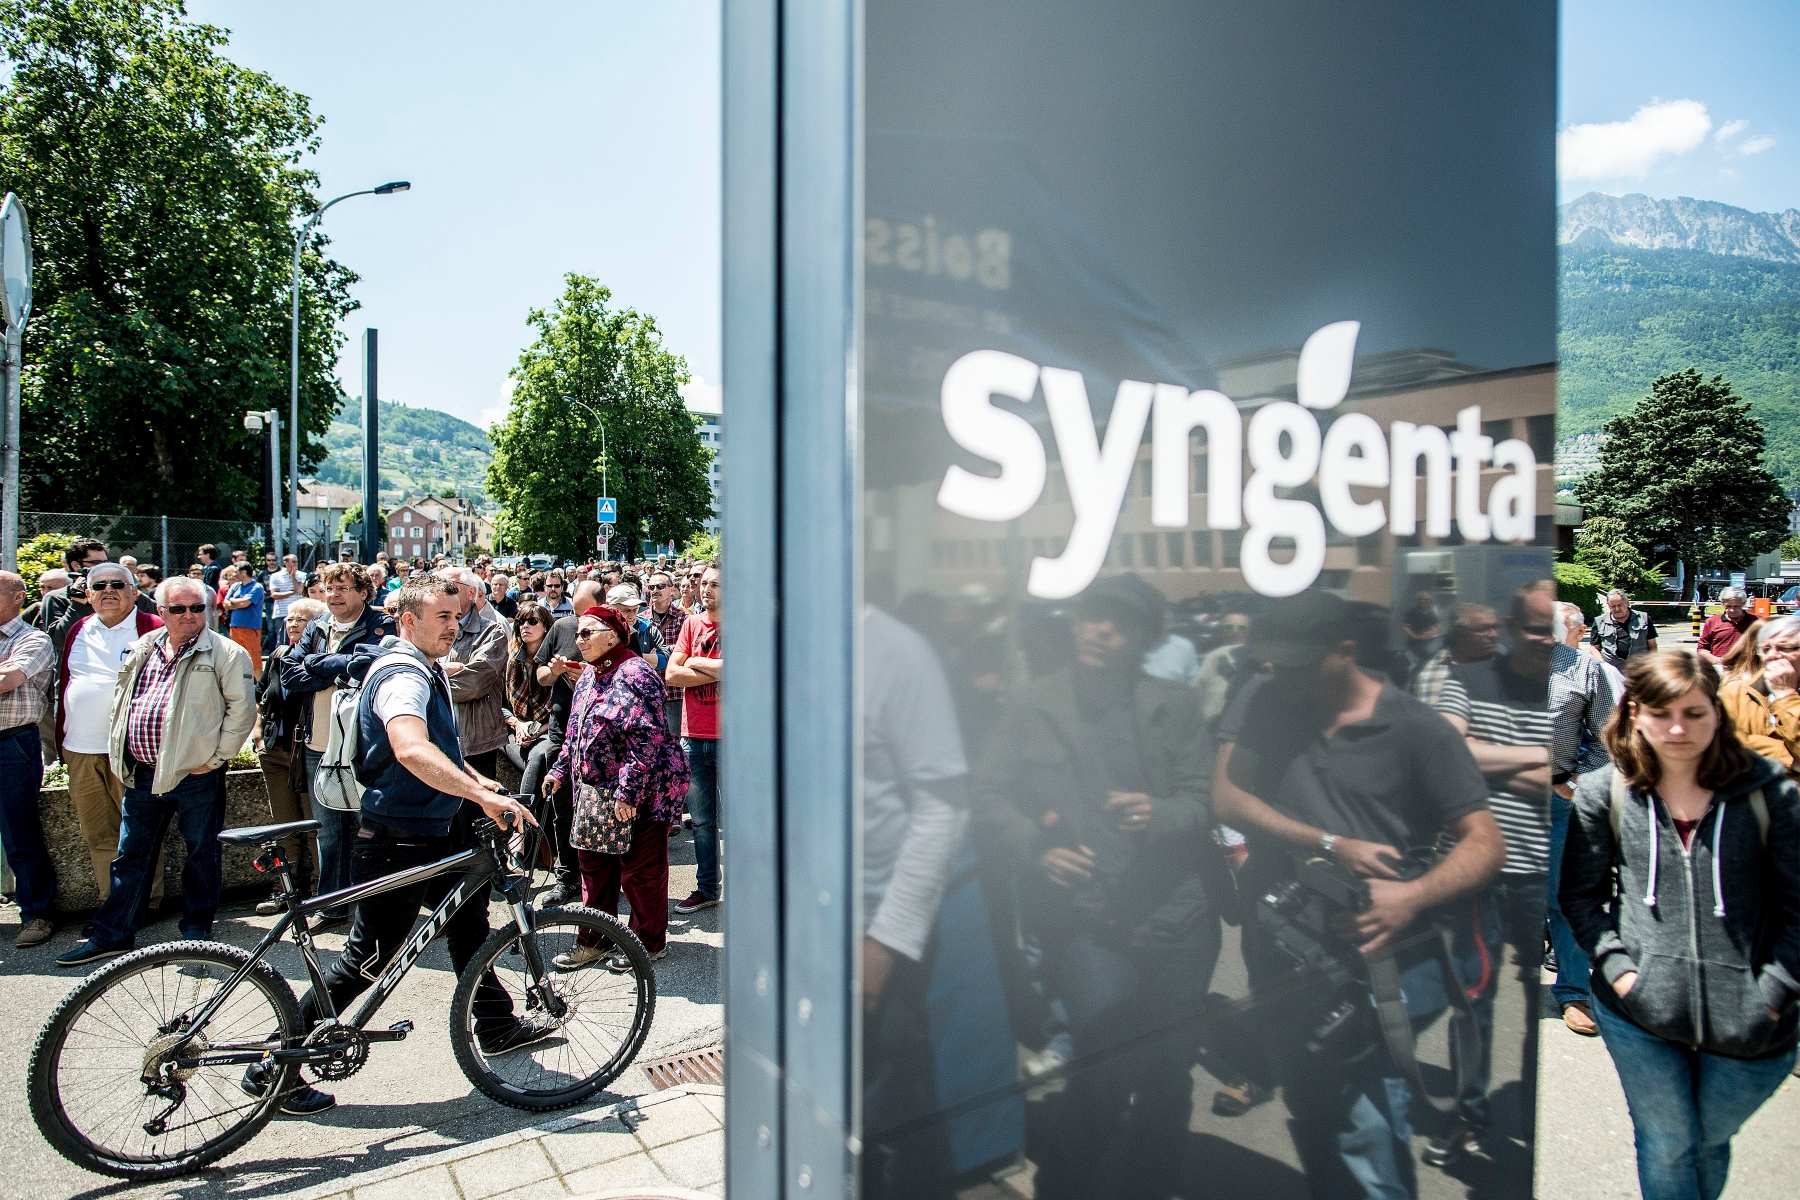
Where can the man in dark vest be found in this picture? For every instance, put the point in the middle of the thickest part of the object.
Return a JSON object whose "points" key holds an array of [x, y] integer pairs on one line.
{"points": [[420, 797]]}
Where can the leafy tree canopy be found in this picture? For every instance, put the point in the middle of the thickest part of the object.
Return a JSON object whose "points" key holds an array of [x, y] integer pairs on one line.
{"points": [[1684, 472], [547, 459], [1603, 546], [163, 183]]}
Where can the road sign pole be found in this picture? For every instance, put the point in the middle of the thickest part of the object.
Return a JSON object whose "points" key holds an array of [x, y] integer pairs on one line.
{"points": [[9, 531]]}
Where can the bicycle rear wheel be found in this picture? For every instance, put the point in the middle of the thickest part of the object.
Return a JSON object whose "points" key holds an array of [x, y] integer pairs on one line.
{"points": [[114, 1038], [600, 1016]]}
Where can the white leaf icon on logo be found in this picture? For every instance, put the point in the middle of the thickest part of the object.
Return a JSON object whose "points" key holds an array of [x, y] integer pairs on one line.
{"points": [[1325, 360]]}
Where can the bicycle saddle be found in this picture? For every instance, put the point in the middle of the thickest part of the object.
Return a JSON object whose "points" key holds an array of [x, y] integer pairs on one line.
{"points": [[252, 834]]}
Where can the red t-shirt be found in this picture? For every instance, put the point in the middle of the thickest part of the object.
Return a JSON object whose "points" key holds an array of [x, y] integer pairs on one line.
{"points": [[1718, 636], [699, 638]]}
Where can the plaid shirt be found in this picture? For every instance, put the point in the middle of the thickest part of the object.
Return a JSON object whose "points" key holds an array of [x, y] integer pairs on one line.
{"points": [[670, 623], [150, 701], [25, 649]]}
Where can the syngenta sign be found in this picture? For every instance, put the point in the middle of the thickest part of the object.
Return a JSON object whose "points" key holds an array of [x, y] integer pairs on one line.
{"points": [[1353, 453]]}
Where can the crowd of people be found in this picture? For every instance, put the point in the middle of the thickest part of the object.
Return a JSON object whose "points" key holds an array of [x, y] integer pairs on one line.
{"points": [[1557, 783], [597, 683], [1136, 775]]}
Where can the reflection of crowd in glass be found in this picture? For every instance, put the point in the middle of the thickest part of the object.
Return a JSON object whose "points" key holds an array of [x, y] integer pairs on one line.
{"points": [[1380, 807]]}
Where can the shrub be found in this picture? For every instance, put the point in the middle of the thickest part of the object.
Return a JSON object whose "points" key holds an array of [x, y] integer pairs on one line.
{"points": [[38, 555]]}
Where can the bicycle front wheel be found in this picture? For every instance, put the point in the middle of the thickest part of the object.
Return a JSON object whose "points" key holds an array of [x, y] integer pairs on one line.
{"points": [[587, 1022], [115, 1085]]}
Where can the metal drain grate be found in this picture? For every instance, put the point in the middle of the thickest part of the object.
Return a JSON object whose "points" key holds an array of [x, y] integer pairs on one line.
{"points": [[700, 1066]]}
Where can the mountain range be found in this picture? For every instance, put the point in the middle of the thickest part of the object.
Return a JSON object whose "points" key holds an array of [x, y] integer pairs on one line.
{"points": [[1649, 286], [1644, 223]]}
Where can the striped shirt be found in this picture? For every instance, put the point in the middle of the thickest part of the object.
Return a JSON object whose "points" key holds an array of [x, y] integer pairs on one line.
{"points": [[149, 710], [1507, 709], [29, 652]]}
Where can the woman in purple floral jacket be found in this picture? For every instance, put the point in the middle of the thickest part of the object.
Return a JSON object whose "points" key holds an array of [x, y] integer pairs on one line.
{"points": [[618, 743]]}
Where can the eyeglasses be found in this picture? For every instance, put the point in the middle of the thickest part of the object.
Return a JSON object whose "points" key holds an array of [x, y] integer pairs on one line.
{"points": [[584, 634], [113, 585], [1538, 631], [1234, 626], [176, 610]]}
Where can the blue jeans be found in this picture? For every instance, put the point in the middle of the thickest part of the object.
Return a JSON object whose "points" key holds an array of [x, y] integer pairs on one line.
{"points": [[1685, 1106], [21, 827], [1572, 968], [197, 805], [703, 806], [337, 836]]}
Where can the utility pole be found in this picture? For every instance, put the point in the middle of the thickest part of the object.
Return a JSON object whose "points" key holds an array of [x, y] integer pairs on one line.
{"points": [[371, 471]]}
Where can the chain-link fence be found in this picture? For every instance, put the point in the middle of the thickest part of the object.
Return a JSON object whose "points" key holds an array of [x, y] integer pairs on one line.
{"points": [[170, 542]]}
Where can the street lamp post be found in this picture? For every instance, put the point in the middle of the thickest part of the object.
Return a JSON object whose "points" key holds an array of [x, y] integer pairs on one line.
{"points": [[386, 189], [602, 425]]}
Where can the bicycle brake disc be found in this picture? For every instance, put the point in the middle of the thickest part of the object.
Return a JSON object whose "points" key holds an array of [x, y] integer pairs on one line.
{"points": [[159, 1070], [350, 1050]]}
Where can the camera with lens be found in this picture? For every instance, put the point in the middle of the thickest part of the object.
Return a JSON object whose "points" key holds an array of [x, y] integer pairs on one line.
{"points": [[1304, 918]]}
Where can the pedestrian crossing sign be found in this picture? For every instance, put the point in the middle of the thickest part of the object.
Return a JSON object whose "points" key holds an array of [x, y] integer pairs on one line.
{"points": [[607, 510]]}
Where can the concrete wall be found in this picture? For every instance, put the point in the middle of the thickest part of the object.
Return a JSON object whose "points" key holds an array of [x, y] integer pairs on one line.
{"points": [[246, 803]]}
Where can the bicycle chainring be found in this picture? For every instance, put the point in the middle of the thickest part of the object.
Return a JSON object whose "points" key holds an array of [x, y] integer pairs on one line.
{"points": [[350, 1050]]}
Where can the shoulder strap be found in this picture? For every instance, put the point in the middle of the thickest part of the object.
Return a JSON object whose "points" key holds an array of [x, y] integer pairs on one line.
{"points": [[1759, 807], [1616, 809]]}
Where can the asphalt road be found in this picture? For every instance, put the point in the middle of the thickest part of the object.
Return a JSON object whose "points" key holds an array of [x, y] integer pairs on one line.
{"points": [[410, 1100]]}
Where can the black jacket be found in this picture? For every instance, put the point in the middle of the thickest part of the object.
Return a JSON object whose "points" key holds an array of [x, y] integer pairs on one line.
{"points": [[309, 668], [1028, 795]]}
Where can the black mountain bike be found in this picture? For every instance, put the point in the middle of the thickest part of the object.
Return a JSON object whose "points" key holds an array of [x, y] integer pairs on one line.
{"points": [[137, 1071]]}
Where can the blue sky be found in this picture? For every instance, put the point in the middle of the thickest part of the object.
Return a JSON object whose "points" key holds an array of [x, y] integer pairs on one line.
{"points": [[581, 137], [585, 136], [1682, 99]]}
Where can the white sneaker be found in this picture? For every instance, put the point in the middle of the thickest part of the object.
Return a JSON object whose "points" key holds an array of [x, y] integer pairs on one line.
{"points": [[579, 957]]}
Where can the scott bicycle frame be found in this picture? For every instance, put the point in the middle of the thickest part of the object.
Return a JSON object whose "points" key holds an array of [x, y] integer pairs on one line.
{"points": [[478, 865]]}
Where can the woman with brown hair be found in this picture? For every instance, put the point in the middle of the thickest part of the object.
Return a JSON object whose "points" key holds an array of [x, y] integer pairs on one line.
{"points": [[1758, 694], [1681, 881]]}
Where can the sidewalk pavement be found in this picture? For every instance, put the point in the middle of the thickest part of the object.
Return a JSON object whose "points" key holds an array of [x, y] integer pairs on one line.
{"points": [[672, 1139]]}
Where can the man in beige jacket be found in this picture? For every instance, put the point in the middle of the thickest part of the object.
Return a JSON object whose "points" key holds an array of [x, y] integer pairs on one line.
{"points": [[184, 705]]}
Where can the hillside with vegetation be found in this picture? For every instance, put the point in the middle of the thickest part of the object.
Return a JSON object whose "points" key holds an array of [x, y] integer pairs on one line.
{"points": [[1630, 314], [422, 450]]}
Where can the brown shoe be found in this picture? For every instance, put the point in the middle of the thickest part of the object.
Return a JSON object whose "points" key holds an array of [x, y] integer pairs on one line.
{"points": [[1580, 1018], [35, 933]]}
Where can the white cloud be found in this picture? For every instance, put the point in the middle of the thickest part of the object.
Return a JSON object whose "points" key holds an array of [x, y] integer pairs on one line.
{"points": [[1658, 130], [496, 414], [1756, 145], [703, 397], [1729, 130]]}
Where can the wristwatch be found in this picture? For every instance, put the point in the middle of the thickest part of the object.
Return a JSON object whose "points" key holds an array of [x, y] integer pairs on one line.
{"points": [[1326, 842]]}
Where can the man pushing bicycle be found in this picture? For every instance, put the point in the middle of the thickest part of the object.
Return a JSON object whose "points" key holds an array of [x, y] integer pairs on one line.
{"points": [[415, 811]]}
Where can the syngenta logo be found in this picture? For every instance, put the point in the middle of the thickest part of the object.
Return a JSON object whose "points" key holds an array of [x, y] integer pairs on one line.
{"points": [[1353, 453]]}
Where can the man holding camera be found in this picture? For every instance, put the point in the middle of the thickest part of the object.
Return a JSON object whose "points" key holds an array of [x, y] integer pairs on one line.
{"points": [[1325, 761]]}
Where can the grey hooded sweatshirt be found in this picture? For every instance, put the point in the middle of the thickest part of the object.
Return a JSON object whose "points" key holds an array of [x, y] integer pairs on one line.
{"points": [[1713, 930]]}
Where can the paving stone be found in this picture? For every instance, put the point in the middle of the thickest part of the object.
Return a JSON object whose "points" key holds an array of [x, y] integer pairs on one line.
{"points": [[502, 1169], [636, 1170], [695, 1162], [588, 1145], [714, 1105], [675, 1121], [431, 1183], [543, 1189]]}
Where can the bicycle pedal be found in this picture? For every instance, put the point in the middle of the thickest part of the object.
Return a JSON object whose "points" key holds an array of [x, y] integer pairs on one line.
{"points": [[393, 1033]]}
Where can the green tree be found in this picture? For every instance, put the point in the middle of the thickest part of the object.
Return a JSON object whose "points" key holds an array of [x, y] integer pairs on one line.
{"points": [[354, 517], [546, 468], [163, 182], [1683, 471], [1602, 545]]}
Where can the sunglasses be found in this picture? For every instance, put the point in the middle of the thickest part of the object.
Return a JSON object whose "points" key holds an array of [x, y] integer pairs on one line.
{"points": [[177, 609], [111, 585], [1233, 625], [584, 634]]}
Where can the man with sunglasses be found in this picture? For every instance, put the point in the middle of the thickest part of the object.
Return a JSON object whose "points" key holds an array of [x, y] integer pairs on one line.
{"points": [[95, 644], [669, 618], [1220, 667], [184, 704]]}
